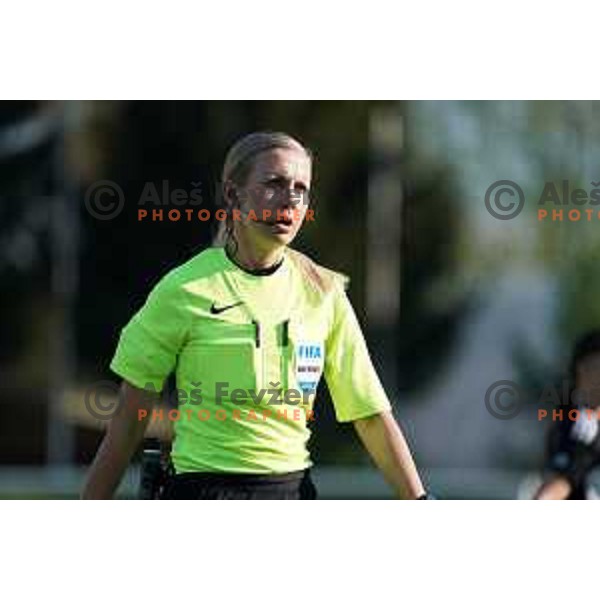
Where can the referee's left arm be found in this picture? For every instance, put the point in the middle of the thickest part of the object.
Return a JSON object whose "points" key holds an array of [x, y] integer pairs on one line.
{"points": [[358, 397], [382, 437]]}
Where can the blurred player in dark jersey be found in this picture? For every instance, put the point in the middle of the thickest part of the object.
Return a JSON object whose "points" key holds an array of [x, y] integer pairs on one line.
{"points": [[573, 446]]}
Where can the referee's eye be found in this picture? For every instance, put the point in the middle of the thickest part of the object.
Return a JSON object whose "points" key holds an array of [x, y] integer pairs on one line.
{"points": [[299, 195]]}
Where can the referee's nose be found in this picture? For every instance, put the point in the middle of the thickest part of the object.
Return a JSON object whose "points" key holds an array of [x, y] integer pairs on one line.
{"points": [[284, 199]]}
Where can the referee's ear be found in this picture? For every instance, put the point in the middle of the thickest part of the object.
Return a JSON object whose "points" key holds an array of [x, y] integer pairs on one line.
{"points": [[230, 195]]}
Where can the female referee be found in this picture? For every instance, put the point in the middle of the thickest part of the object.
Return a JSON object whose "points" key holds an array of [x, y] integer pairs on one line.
{"points": [[249, 326]]}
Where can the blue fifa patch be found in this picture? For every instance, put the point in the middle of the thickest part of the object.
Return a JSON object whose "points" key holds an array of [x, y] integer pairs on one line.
{"points": [[310, 357]]}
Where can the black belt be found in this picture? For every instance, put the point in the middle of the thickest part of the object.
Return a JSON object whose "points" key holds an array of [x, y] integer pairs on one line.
{"points": [[240, 478], [296, 485]]}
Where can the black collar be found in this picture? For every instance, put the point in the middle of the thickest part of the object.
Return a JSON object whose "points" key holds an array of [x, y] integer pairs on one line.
{"points": [[261, 271]]}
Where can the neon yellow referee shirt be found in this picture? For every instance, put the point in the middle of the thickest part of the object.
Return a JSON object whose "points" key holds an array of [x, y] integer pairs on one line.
{"points": [[248, 351]]}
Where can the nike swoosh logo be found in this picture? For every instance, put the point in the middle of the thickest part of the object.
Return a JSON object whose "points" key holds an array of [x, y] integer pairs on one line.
{"points": [[214, 310]]}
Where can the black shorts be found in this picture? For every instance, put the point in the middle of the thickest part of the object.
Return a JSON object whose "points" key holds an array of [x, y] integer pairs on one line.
{"points": [[232, 486]]}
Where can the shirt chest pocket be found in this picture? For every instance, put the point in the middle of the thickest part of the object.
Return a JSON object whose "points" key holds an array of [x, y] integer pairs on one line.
{"points": [[221, 355]]}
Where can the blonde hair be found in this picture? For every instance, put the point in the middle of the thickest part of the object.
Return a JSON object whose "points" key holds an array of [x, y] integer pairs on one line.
{"points": [[241, 155], [236, 168]]}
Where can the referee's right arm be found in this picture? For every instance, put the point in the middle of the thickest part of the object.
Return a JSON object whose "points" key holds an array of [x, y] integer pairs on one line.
{"points": [[146, 354], [124, 434]]}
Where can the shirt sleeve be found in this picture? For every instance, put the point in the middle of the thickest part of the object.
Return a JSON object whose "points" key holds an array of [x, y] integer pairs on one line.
{"points": [[149, 344], [354, 385]]}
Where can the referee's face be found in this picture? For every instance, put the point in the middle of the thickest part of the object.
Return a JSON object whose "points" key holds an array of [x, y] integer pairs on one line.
{"points": [[277, 189]]}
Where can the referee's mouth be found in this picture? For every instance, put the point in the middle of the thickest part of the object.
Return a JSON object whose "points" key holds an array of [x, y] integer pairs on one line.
{"points": [[279, 225]]}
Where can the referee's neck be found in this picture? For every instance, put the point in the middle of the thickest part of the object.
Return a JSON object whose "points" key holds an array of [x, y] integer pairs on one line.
{"points": [[256, 262]]}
